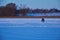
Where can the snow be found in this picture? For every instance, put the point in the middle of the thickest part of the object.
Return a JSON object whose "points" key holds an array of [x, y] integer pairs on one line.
{"points": [[29, 29]]}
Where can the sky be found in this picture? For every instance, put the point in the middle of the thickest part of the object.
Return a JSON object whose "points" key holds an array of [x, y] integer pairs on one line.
{"points": [[42, 4]]}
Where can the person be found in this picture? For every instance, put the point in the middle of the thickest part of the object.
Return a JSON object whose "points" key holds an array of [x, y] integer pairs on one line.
{"points": [[42, 20]]}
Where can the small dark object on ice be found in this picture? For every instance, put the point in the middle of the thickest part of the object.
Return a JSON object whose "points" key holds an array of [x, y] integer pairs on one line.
{"points": [[42, 20]]}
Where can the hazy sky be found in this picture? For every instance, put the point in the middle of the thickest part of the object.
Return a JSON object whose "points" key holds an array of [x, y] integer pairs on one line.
{"points": [[34, 3]]}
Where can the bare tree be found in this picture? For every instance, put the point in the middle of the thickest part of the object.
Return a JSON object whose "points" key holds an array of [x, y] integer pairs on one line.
{"points": [[10, 9], [23, 10]]}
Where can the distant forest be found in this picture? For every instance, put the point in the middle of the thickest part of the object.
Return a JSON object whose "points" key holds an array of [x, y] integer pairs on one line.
{"points": [[11, 10]]}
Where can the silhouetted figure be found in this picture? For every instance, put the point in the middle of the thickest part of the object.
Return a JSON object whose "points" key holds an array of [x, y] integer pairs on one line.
{"points": [[42, 20]]}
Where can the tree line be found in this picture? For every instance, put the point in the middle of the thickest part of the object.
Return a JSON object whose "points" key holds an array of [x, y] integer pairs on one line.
{"points": [[11, 10]]}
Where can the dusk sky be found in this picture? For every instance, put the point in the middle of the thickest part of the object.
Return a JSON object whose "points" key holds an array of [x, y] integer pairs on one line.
{"points": [[45, 4]]}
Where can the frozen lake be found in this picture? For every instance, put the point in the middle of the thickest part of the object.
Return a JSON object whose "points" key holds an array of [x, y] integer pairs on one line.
{"points": [[29, 29], [29, 22]]}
